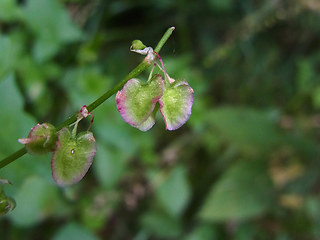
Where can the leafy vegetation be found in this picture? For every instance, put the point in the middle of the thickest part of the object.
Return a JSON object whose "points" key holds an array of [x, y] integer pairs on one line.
{"points": [[246, 164]]}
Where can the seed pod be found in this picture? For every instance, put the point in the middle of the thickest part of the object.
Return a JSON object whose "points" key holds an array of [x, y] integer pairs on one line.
{"points": [[72, 157], [136, 101], [41, 139], [176, 103]]}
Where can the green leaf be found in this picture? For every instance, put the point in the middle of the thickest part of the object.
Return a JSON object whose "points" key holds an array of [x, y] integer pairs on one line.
{"points": [[218, 5], [161, 224], [73, 157], [74, 231], [316, 97], [247, 128], [247, 231], [243, 192], [17, 123], [52, 24], [174, 192], [9, 10], [109, 166], [305, 77], [36, 199], [44, 49], [9, 50], [97, 207], [85, 83], [204, 232]]}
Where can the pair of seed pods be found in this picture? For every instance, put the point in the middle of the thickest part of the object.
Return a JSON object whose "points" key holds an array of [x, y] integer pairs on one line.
{"points": [[72, 153]]}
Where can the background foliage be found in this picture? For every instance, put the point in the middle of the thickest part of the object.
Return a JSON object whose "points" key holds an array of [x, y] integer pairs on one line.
{"points": [[246, 164]]}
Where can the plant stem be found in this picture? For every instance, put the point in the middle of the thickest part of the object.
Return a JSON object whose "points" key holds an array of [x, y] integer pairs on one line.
{"points": [[134, 73], [13, 157], [164, 39]]}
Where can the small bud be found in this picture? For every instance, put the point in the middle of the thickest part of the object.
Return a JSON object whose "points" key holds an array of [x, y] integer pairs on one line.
{"points": [[137, 45], [7, 204], [73, 156], [84, 111], [41, 139]]}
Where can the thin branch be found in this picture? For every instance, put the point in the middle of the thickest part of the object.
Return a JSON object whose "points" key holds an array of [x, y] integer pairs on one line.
{"points": [[135, 72], [13, 157]]}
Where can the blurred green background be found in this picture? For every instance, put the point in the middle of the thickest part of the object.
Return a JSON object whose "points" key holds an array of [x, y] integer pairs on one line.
{"points": [[245, 166]]}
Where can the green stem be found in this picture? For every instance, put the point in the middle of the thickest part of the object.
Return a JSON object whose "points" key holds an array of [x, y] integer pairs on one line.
{"points": [[13, 157], [75, 128], [134, 73], [164, 39]]}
